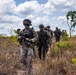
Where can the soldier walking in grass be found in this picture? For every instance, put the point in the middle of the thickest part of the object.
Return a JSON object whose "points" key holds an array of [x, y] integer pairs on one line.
{"points": [[27, 37], [57, 33], [42, 42], [51, 35]]}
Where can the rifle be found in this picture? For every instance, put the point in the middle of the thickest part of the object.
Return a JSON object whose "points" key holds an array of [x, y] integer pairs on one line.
{"points": [[24, 40]]}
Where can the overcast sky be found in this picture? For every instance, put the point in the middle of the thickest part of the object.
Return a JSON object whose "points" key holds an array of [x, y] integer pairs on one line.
{"points": [[48, 12]]}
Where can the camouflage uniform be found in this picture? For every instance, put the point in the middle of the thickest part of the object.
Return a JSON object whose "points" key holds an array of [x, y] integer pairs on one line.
{"points": [[50, 32], [26, 52], [42, 42], [57, 33]]}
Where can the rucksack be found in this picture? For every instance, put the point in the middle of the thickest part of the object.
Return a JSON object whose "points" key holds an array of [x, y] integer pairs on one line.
{"points": [[43, 38]]}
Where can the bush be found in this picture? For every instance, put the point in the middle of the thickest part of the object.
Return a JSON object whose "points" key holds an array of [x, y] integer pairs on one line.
{"points": [[73, 60], [14, 39], [66, 38], [63, 45]]}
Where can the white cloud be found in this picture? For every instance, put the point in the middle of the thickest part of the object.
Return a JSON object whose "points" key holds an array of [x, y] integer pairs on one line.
{"points": [[7, 6], [28, 8], [31, 16], [11, 19], [52, 13], [40, 20], [62, 18], [63, 5], [48, 8]]}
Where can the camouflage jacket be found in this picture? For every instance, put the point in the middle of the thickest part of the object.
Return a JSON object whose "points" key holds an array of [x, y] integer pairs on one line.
{"points": [[29, 34]]}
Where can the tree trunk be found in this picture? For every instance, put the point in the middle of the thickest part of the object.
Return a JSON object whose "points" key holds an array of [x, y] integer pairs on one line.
{"points": [[70, 31]]}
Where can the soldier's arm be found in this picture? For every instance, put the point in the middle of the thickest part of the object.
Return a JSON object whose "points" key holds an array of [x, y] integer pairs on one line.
{"points": [[35, 36], [49, 35], [19, 38]]}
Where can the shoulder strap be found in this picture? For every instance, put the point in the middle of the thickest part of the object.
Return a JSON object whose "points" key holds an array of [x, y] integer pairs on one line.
{"points": [[31, 33]]}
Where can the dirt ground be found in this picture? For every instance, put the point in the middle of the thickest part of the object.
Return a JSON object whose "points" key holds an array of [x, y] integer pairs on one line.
{"points": [[10, 61]]}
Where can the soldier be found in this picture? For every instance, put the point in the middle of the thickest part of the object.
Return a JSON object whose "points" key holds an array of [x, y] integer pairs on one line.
{"points": [[62, 33], [57, 33], [51, 32], [18, 31], [27, 37], [51, 35], [42, 42]]}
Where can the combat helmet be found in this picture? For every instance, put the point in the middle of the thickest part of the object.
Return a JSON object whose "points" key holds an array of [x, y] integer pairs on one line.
{"points": [[27, 22], [18, 29], [41, 26], [57, 28], [48, 26]]}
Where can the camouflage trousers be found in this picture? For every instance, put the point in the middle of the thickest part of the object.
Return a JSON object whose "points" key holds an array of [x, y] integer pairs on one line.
{"points": [[50, 42], [27, 57]]}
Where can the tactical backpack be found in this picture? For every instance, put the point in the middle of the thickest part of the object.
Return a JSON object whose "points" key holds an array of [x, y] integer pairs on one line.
{"points": [[43, 38]]}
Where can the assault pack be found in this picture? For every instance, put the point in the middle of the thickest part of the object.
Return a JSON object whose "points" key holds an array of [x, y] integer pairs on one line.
{"points": [[43, 38]]}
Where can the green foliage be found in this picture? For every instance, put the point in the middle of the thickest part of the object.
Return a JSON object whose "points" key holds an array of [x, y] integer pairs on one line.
{"points": [[65, 38], [63, 45], [74, 24], [71, 15], [66, 34], [74, 60], [71, 20], [14, 39]]}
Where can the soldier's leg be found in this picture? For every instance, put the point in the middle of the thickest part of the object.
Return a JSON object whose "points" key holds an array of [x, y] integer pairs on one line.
{"points": [[44, 52], [23, 53], [34, 52], [57, 38], [50, 42], [39, 51], [47, 48], [30, 56]]}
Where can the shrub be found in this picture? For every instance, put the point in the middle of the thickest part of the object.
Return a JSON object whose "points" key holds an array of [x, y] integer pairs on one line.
{"points": [[63, 45], [14, 39], [74, 60], [66, 38]]}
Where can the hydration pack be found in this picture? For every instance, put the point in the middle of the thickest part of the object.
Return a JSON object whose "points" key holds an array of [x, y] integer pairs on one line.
{"points": [[43, 38]]}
